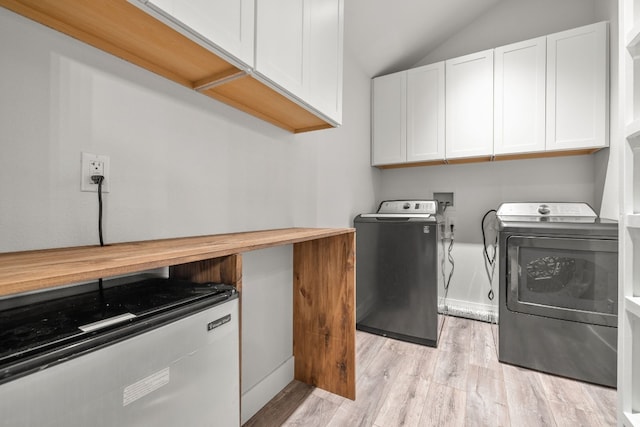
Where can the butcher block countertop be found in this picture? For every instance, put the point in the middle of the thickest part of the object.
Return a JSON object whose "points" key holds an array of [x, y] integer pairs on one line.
{"points": [[32, 270]]}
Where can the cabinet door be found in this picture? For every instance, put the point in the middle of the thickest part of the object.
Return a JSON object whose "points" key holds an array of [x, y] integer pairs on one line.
{"points": [[228, 24], [281, 43], [425, 113], [469, 105], [325, 56], [519, 97], [389, 119], [577, 88]]}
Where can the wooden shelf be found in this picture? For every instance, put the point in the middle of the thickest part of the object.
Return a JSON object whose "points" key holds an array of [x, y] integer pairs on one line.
{"points": [[123, 30], [32, 270]]}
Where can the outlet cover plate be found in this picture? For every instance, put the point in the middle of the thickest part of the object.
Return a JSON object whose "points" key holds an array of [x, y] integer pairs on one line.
{"points": [[443, 197], [92, 164]]}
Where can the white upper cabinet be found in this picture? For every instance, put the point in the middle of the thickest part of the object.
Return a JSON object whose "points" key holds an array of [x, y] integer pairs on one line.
{"points": [[469, 105], [299, 49], [225, 25], [542, 95], [425, 113], [295, 47], [408, 116], [326, 34], [389, 119], [519, 97], [577, 88], [280, 44]]}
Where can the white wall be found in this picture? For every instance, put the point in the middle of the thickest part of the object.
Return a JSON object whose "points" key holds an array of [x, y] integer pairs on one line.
{"points": [[181, 164], [482, 186]]}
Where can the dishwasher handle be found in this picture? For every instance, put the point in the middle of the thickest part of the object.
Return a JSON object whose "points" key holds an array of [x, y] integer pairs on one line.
{"points": [[104, 323]]}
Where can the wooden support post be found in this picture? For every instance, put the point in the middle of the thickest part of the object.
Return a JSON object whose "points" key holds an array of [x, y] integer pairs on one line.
{"points": [[324, 313]]}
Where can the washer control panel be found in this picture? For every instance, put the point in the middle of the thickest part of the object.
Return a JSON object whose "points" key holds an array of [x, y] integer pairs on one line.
{"points": [[410, 207]]}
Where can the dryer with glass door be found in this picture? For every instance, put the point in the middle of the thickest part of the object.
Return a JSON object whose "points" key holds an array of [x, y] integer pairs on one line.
{"points": [[559, 290]]}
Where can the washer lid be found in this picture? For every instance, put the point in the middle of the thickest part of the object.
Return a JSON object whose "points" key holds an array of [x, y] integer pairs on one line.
{"points": [[551, 212]]}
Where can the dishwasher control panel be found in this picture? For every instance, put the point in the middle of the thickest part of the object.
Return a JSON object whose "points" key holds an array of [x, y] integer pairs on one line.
{"points": [[408, 207]]}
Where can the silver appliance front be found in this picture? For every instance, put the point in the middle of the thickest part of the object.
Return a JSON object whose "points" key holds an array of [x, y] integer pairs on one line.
{"points": [[397, 273], [182, 373], [558, 299]]}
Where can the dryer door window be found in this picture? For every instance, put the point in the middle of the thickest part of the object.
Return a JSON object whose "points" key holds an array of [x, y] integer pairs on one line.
{"points": [[563, 278]]}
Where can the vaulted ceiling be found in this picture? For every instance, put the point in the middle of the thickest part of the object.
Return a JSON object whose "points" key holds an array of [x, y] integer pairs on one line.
{"points": [[387, 36]]}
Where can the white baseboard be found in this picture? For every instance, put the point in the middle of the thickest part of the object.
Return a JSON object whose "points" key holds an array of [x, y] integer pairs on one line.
{"points": [[469, 310], [260, 394]]}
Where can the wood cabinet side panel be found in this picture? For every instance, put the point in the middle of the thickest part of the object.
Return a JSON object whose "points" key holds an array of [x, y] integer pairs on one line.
{"points": [[324, 313]]}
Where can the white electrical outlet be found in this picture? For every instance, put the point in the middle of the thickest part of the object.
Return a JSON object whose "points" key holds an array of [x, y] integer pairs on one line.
{"points": [[94, 164]]}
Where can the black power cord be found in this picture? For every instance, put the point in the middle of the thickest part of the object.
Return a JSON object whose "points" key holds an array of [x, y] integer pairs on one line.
{"points": [[490, 266], [446, 281], [451, 261], [99, 179], [490, 259]]}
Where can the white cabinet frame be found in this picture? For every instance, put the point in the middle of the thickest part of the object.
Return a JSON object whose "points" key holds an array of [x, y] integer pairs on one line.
{"points": [[426, 113], [578, 88], [469, 105], [519, 97]]}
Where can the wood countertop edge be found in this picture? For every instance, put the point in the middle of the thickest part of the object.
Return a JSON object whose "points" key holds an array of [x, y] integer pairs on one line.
{"points": [[38, 269]]}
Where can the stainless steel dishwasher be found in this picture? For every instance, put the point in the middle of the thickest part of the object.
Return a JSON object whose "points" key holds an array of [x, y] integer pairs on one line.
{"points": [[156, 352], [397, 271]]}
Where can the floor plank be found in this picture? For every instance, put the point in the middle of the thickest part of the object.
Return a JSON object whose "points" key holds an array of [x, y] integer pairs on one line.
{"points": [[405, 401], [281, 407], [315, 408], [606, 403], [445, 406], [374, 386], [461, 383], [486, 398], [526, 398]]}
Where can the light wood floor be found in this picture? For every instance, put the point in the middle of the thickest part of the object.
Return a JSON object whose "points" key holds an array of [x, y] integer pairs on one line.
{"points": [[461, 383]]}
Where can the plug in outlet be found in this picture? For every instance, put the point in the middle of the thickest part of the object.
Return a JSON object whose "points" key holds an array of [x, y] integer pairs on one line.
{"points": [[93, 164], [450, 221]]}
